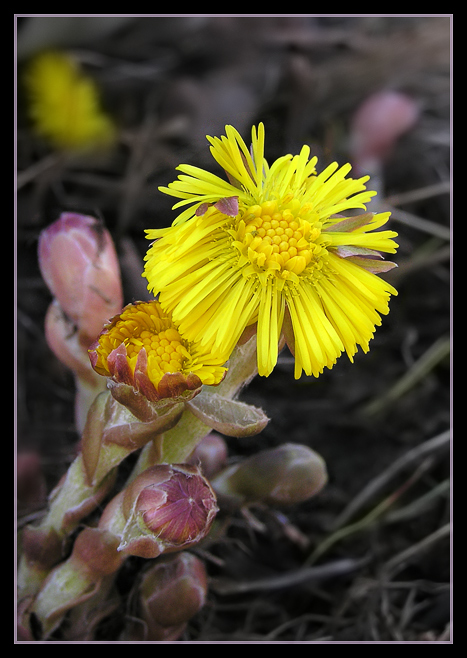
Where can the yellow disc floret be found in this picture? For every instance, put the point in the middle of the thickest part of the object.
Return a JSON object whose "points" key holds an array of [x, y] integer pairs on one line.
{"points": [[165, 350], [279, 239]]}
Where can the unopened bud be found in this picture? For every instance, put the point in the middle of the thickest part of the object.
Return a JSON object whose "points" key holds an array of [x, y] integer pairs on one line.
{"points": [[145, 358], [167, 508], [210, 454], [30, 482], [172, 591], [79, 264], [285, 475]]}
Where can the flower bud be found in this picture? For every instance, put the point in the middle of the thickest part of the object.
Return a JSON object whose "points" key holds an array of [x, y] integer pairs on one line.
{"points": [[210, 454], [285, 475], [79, 264], [30, 482], [143, 355], [167, 508], [172, 591]]}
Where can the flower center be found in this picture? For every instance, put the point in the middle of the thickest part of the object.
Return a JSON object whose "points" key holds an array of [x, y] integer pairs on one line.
{"points": [[165, 350], [277, 239], [144, 325]]}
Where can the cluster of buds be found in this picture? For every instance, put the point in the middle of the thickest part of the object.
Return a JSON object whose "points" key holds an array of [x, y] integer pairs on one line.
{"points": [[154, 390], [166, 509], [111, 433]]}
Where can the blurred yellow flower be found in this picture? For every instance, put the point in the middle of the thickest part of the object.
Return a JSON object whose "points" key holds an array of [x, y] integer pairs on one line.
{"points": [[271, 247], [64, 104]]}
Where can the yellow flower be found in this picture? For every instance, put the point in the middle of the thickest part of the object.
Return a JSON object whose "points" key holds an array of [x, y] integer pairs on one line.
{"points": [[142, 348], [271, 247], [64, 104]]}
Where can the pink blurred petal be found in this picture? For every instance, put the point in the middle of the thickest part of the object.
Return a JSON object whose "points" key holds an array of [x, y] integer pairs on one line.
{"points": [[377, 125]]}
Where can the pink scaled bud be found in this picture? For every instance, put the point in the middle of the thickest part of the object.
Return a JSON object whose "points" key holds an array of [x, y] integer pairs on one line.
{"points": [[172, 591], [79, 264], [167, 509], [377, 125]]}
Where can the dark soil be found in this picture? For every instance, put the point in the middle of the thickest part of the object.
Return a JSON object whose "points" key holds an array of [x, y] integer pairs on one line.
{"points": [[170, 81]]}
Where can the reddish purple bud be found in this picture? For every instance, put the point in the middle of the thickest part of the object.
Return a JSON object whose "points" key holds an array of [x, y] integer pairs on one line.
{"points": [[168, 508], [210, 454], [172, 591]]}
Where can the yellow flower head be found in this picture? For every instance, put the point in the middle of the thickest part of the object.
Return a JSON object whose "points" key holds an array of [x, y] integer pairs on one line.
{"points": [[272, 247], [64, 104], [143, 348]]}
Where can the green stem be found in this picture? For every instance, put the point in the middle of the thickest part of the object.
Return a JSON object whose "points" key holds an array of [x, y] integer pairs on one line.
{"points": [[181, 440]]}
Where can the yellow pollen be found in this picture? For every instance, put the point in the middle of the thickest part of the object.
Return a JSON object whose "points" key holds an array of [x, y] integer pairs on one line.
{"points": [[165, 350], [277, 239]]}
